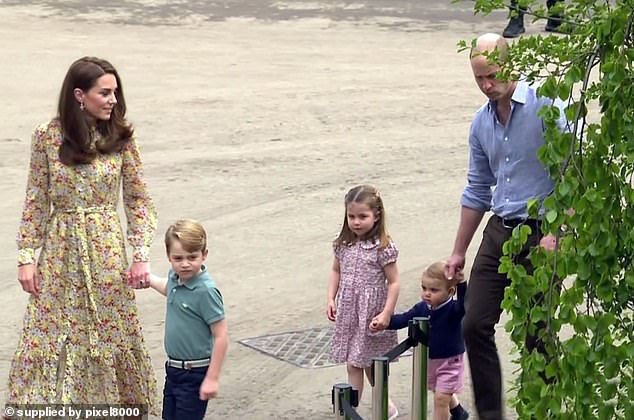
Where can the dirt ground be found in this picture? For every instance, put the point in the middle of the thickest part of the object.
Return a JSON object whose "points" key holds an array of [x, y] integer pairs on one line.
{"points": [[255, 117]]}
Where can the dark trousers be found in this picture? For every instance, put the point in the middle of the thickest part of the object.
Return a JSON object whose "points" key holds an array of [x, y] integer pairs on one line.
{"points": [[485, 293], [181, 394], [549, 3]]}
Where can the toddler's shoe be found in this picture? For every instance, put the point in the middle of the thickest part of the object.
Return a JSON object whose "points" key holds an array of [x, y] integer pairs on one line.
{"points": [[464, 415]]}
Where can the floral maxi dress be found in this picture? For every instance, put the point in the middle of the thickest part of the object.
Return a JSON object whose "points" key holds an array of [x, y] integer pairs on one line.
{"points": [[361, 296], [81, 341]]}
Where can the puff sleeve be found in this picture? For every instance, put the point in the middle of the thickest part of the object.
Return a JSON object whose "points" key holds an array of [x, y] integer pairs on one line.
{"points": [[387, 255]]}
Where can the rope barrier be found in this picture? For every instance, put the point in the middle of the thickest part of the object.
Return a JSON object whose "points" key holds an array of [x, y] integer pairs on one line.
{"points": [[400, 349], [344, 397], [349, 410]]}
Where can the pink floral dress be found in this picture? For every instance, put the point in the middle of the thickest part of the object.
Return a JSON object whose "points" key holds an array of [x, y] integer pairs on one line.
{"points": [[81, 341], [361, 296]]}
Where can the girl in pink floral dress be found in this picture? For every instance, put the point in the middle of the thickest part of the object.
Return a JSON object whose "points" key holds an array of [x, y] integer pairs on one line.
{"points": [[363, 284], [81, 341]]}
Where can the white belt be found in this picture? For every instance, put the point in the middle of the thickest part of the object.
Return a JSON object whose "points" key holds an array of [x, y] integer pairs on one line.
{"points": [[188, 364]]}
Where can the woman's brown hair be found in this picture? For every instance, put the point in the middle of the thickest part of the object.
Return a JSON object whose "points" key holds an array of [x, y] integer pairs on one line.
{"points": [[76, 146]]}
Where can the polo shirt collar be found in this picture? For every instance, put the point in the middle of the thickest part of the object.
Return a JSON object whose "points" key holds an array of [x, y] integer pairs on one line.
{"points": [[194, 281]]}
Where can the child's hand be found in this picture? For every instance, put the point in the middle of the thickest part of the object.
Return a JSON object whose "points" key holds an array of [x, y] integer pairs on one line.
{"points": [[458, 277], [331, 311], [380, 322], [208, 389], [374, 325]]}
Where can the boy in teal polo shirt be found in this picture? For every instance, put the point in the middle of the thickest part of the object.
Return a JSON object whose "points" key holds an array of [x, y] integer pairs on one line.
{"points": [[195, 328]]}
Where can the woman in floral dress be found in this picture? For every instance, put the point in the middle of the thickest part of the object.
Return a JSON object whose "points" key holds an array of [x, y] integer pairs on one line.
{"points": [[81, 341]]}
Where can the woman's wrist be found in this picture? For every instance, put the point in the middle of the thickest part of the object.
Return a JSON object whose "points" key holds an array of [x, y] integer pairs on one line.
{"points": [[141, 254], [26, 256]]}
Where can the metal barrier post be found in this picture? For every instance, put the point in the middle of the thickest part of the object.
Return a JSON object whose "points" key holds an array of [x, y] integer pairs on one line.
{"points": [[339, 392], [419, 374], [380, 397]]}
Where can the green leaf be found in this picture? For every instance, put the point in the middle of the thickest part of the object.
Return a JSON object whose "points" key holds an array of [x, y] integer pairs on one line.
{"points": [[564, 91], [548, 88], [533, 207]]}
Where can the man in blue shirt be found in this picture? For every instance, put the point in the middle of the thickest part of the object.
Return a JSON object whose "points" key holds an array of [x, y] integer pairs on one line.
{"points": [[504, 173]]}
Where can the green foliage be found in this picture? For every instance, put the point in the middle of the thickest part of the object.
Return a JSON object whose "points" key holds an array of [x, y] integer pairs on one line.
{"points": [[588, 317]]}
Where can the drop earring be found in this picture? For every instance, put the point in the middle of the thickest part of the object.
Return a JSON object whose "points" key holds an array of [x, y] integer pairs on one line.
{"points": [[82, 106]]}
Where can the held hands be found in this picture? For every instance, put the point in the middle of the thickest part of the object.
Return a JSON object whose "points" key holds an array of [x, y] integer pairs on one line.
{"points": [[458, 277], [380, 322], [29, 279], [208, 389], [139, 275], [331, 310]]}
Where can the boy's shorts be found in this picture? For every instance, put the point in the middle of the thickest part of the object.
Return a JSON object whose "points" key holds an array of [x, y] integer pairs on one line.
{"points": [[446, 375]]}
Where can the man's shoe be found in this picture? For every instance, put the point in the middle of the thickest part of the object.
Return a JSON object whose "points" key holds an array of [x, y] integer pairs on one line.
{"points": [[514, 28], [554, 24]]}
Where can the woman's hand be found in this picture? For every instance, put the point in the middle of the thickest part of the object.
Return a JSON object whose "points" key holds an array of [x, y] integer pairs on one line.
{"points": [[139, 275], [28, 278]]}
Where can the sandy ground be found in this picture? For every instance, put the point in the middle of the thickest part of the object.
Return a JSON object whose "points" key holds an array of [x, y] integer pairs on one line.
{"points": [[255, 118]]}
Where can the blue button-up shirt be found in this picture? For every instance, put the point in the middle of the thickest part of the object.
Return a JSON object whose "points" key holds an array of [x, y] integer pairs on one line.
{"points": [[504, 170]]}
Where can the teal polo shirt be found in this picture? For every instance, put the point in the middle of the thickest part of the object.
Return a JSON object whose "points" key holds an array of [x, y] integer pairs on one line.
{"points": [[191, 309]]}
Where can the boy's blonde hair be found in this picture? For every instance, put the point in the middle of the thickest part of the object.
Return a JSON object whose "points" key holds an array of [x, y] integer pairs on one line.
{"points": [[189, 233], [436, 271]]}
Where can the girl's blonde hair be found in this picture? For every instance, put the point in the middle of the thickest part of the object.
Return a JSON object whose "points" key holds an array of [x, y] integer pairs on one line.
{"points": [[189, 233], [368, 195]]}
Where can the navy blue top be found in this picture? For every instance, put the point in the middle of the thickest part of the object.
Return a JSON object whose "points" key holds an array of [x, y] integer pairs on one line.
{"points": [[445, 324]]}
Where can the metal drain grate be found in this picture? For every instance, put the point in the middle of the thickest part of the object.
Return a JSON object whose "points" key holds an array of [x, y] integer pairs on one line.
{"points": [[307, 349]]}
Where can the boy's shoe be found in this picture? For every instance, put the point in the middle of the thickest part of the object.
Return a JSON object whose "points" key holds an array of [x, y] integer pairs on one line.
{"points": [[464, 415], [514, 28]]}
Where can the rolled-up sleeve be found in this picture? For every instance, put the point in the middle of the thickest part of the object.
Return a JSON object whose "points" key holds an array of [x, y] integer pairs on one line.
{"points": [[139, 207], [477, 193]]}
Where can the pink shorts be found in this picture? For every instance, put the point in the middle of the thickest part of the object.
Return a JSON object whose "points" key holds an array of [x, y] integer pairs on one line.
{"points": [[446, 375]]}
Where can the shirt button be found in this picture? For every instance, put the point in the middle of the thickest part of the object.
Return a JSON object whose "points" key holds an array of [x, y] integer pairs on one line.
{"points": [[507, 159], [506, 139], [508, 179], [507, 200]]}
